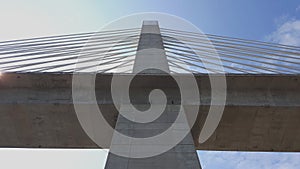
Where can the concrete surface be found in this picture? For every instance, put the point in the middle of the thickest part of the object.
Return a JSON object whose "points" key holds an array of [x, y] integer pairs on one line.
{"points": [[151, 59], [262, 112]]}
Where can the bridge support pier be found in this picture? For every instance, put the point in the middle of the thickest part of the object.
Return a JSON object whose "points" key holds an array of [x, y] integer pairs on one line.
{"points": [[182, 155]]}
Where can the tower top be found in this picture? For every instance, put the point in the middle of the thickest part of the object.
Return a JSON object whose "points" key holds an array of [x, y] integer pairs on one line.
{"points": [[150, 22], [150, 26]]}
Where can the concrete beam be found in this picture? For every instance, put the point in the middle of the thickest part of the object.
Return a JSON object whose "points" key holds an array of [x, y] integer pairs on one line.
{"points": [[262, 112]]}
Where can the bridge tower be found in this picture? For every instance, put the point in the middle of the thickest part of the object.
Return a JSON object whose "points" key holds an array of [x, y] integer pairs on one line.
{"points": [[151, 59]]}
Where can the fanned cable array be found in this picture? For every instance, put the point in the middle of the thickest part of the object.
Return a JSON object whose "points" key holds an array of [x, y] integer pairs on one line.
{"points": [[114, 52], [101, 52], [199, 53]]}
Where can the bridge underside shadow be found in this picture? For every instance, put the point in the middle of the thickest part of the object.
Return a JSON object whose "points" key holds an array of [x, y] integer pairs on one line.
{"points": [[261, 112]]}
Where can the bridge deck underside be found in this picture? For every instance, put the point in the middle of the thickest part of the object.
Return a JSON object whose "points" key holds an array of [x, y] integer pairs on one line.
{"points": [[262, 112]]}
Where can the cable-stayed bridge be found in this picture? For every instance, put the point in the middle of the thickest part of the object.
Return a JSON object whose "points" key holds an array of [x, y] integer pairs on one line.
{"points": [[59, 53], [261, 109]]}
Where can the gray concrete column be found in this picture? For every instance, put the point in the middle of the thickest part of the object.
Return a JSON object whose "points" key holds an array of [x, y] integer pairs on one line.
{"points": [[151, 55], [150, 52]]}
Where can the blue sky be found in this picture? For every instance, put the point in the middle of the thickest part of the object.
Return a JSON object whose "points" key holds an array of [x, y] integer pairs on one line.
{"points": [[249, 160], [268, 20], [255, 19]]}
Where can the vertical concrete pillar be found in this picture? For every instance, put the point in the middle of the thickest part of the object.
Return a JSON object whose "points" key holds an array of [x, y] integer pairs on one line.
{"points": [[150, 51], [151, 55]]}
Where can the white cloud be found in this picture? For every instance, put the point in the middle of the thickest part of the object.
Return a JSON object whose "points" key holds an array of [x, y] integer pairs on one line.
{"points": [[298, 9], [287, 33]]}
